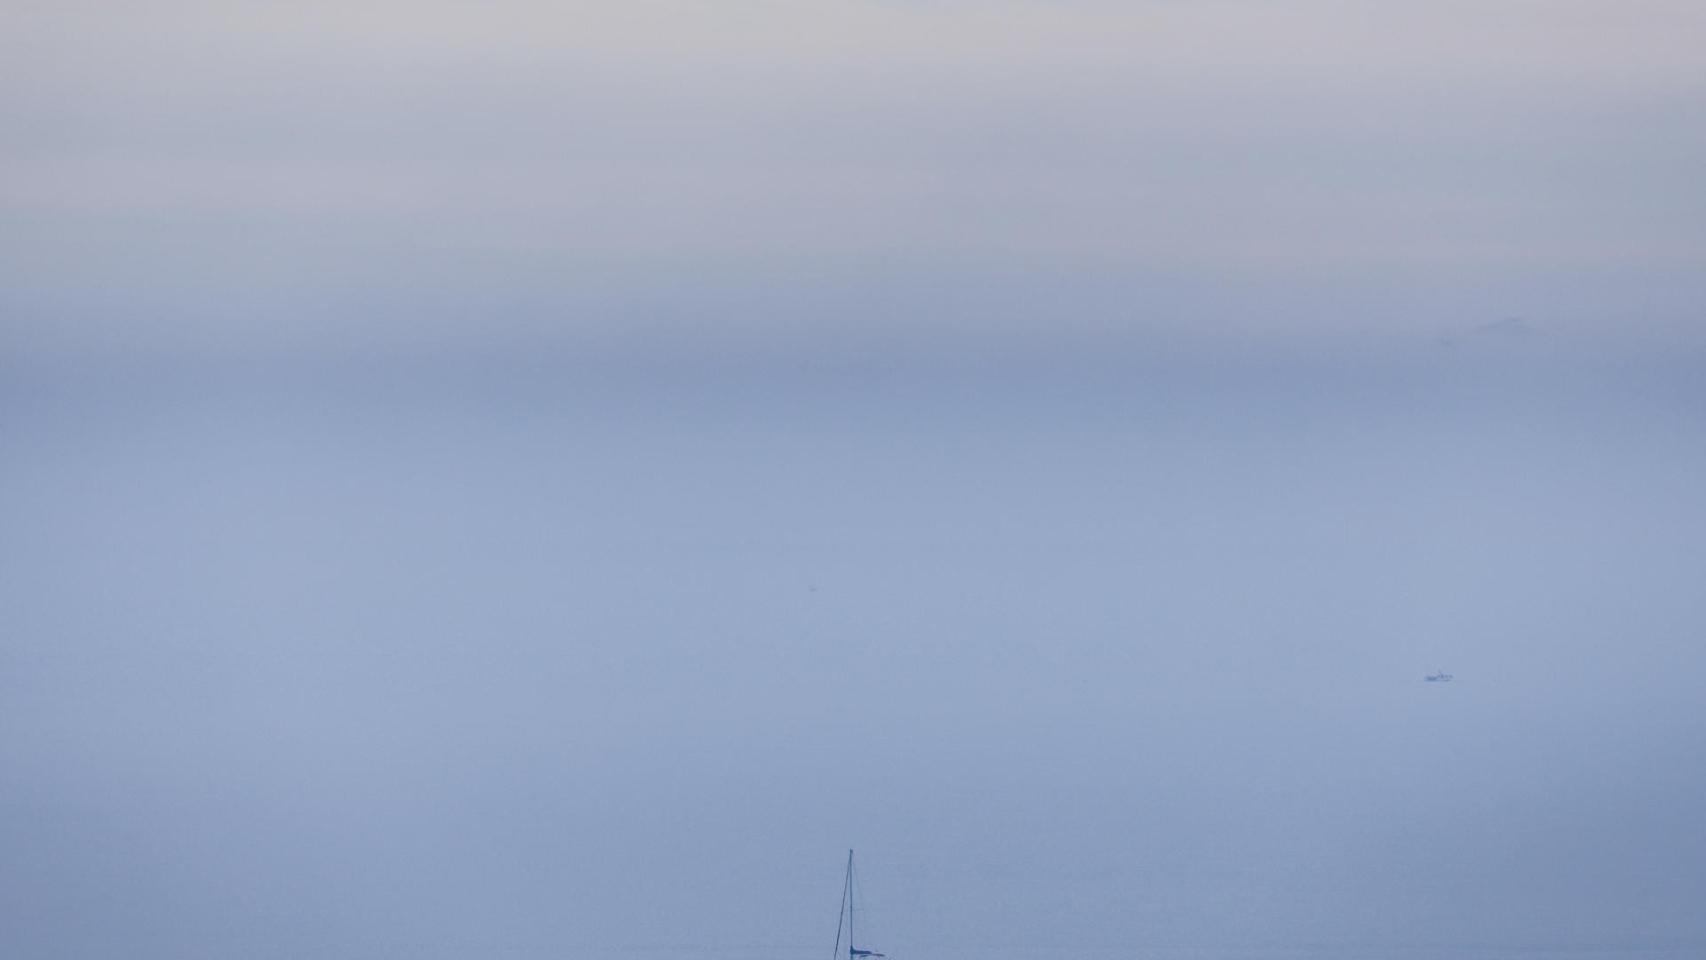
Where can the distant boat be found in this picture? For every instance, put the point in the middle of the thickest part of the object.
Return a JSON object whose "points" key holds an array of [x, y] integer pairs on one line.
{"points": [[1440, 677], [844, 919]]}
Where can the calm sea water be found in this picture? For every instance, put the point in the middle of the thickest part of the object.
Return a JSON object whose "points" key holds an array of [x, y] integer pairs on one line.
{"points": [[1438, 951]]}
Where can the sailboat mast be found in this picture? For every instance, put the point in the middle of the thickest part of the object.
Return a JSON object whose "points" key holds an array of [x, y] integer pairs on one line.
{"points": [[850, 905]]}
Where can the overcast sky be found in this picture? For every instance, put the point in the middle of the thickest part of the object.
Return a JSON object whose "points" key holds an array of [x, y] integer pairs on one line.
{"points": [[234, 176], [543, 480]]}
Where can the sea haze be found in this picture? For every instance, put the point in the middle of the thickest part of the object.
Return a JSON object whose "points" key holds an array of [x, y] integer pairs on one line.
{"points": [[544, 479], [1112, 657]]}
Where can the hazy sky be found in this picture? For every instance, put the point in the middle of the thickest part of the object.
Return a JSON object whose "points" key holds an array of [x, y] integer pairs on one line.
{"points": [[230, 176], [543, 480]]}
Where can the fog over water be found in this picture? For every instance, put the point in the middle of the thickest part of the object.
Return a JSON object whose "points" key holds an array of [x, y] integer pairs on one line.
{"points": [[538, 658], [544, 480]]}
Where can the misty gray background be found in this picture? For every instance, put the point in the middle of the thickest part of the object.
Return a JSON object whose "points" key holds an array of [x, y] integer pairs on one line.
{"points": [[544, 480]]}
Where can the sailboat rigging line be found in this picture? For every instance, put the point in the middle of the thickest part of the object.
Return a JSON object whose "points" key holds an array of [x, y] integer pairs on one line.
{"points": [[846, 895]]}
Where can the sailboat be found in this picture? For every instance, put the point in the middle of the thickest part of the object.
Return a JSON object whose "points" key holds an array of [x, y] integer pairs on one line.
{"points": [[844, 920]]}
